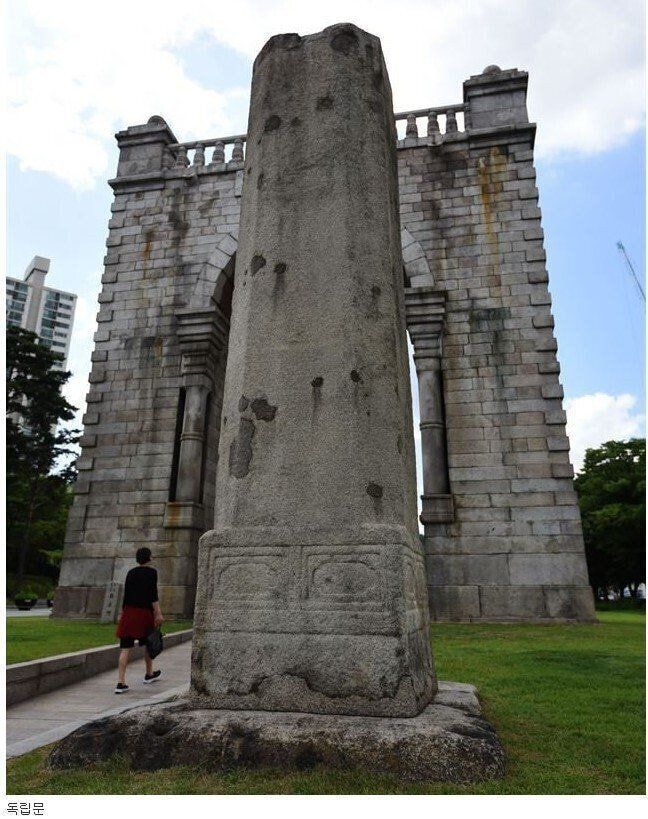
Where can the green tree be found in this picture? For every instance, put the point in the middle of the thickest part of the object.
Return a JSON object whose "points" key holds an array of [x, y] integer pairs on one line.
{"points": [[611, 490], [38, 488]]}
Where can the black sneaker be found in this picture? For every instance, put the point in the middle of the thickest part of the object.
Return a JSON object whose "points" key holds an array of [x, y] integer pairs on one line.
{"points": [[121, 688], [151, 678]]}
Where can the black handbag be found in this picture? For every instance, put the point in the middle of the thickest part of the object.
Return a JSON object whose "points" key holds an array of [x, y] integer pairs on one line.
{"points": [[154, 643]]}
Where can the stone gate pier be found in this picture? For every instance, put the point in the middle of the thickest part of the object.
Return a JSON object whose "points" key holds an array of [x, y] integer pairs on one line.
{"points": [[502, 533]]}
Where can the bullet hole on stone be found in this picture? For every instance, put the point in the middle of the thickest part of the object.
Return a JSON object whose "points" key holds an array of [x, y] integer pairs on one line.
{"points": [[260, 181], [272, 123], [344, 41], [375, 292], [290, 41], [374, 490], [324, 103], [316, 384], [280, 268], [243, 403], [263, 410], [355, 376], [249, 170], [225, 421], [257, 263]]}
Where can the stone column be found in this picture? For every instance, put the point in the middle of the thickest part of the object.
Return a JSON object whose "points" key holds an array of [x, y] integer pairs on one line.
{"points": [[191, 443], [202, 335], [425, 309], [311, 592]]}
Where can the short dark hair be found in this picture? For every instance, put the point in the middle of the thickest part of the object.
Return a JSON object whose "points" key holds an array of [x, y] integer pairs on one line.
{"points": [[143, 555]]}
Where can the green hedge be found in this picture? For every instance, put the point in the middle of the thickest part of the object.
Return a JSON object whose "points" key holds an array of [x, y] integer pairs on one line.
{"points": [[42, 585]]}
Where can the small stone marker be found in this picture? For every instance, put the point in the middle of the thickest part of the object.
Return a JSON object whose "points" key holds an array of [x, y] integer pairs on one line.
{"points": [[112, 602]]}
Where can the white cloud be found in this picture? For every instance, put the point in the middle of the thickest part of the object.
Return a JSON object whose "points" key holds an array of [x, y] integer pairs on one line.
{"points": [[594, 419], [81, 70]]}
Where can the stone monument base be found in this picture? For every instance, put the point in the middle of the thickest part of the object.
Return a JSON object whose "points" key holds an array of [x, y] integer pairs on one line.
{"points": [[448, 742]]}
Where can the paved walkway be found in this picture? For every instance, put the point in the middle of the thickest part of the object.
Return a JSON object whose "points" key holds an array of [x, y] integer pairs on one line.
{"points": [[39, 611], [50, 717]]}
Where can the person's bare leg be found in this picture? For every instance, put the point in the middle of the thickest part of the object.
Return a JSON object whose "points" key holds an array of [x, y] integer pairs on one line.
{"points": [[124, 654], [148, 661]]}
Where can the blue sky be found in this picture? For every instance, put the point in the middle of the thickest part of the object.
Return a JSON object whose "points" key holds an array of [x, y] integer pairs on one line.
{"points": [[193, 67]]}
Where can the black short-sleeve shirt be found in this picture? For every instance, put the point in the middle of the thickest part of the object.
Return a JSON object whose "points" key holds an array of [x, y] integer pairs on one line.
{"points": [[140, 589]]}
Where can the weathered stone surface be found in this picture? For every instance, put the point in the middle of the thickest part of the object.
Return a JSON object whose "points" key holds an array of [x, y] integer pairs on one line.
{"points": [[472, 238], [311, 591], [448, 742], [472, 205]]}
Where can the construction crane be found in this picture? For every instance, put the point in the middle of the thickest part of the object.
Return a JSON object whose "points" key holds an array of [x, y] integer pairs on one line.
{"points": [[623, 251]]}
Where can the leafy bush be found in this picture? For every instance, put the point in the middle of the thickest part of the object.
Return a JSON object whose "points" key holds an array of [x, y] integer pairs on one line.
{"points": [[26, 593], [41, 585]]}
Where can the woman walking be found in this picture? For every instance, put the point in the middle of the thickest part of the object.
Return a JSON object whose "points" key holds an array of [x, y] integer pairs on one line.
{"points": [[140, 615]]}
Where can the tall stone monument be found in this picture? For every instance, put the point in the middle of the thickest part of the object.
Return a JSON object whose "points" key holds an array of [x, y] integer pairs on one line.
{"points": [[311, 593]]}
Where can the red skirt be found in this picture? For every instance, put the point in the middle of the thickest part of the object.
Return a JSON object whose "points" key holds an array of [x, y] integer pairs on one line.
{"points": [[135, 622]]}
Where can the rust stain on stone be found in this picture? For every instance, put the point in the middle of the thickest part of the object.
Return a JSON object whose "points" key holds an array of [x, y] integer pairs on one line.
{"points": [[489, 187], [148, 239], [173, 514]]}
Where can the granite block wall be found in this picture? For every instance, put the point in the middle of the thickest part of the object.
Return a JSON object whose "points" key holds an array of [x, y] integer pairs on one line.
{"points": [[502, 526]]}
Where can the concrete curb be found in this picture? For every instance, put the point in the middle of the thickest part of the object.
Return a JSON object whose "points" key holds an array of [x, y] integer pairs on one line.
{"points": [[30, 679]]}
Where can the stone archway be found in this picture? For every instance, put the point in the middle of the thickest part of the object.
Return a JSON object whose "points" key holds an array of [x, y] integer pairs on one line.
{"points": [[216, 277], [417, 268]]}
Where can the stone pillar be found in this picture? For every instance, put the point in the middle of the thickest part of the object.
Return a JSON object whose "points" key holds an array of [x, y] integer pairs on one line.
{"points": [[202, 336], [311, 587], [191, 443], [425, 311]]}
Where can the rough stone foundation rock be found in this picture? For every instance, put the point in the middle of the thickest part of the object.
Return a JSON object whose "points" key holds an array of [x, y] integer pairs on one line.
{"points": [[448, 742]]}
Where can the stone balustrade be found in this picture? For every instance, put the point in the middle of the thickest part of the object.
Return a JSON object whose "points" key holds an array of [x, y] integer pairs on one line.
{"points": [[216, 153], [437, 123]]}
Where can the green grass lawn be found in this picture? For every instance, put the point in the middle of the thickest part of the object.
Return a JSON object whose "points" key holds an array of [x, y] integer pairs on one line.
{"points": [[30, 638], [567, 701]]}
